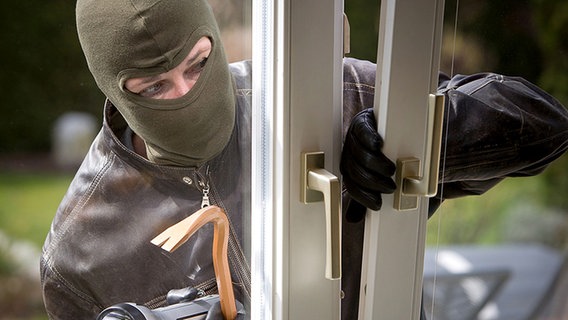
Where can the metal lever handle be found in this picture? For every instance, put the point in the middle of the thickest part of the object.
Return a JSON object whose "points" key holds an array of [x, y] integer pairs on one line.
{"points": [[414, 181], [318, 182]]}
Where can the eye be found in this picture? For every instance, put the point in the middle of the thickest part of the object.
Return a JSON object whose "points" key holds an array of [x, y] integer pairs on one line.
{"points": [[201, 65], [153, 90], [203, 62], [194, 71]]}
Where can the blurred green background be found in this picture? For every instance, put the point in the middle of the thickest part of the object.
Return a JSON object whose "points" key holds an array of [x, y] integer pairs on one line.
{"points": [[44, 75]]}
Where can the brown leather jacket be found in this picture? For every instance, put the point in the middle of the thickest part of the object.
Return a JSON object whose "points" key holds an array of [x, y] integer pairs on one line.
{"points": [[98, 251]]}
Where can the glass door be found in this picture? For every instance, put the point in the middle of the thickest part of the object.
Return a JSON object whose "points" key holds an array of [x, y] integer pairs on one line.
{"points": [[297, 109], [297, 54], [297, 85], [409, 116]]}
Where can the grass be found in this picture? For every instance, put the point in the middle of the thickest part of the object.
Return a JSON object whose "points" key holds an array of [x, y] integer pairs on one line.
{"points": [[28, 202], [487, 219]]}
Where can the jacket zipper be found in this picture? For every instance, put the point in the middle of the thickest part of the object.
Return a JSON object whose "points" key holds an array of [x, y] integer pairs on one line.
{"points": [[202, 185]]}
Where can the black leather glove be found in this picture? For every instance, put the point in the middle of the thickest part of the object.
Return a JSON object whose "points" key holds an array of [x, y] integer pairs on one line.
{"points": [[367, 172], [215, 312]]}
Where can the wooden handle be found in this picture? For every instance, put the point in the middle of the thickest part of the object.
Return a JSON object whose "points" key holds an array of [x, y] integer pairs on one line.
{"points": [[176, 235]]}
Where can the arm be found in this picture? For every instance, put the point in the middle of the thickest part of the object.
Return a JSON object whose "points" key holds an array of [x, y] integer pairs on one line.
{"points": [[496, 127], [60, 301]]}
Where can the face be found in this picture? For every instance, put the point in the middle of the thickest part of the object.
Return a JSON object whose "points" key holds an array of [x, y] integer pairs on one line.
{"points": [[176, 82]]}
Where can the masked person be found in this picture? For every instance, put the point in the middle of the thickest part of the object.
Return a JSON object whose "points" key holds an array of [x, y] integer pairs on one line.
{"points": [[176, 135]]}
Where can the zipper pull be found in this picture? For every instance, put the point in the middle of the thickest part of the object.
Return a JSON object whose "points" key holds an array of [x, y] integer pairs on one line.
{"points": [[205, 191], [205, 200], [204, 186]]}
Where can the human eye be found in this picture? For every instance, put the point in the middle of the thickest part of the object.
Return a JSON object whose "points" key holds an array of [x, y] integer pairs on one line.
{"points": [[152, 90], [202, 63], [195, 70]]}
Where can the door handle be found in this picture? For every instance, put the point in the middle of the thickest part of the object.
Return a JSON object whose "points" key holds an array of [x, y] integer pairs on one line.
{"points": [[412, 180], [319, 184]]}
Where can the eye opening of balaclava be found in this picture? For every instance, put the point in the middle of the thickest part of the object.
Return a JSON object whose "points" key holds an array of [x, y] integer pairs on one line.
{"points": [[190, 96], [147, 37]]}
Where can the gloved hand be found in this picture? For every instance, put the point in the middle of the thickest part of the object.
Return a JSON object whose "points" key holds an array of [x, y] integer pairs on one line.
{"points": [[215, 312], [366, 170]]}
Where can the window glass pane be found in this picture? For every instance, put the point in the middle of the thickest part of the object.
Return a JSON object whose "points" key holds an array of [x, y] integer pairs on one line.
{"points": [[492, 248], [234, 18], [235, 22]]}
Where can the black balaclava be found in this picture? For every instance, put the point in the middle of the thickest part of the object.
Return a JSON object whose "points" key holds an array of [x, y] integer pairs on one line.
{"points": [[125, 39]]}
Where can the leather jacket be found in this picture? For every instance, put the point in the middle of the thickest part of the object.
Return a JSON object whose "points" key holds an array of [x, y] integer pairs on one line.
{"points": [[98, 251]]}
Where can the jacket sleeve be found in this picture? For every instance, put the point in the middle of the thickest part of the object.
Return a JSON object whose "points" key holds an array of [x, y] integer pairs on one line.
{"points": [[496, 127], [61, 303]]}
